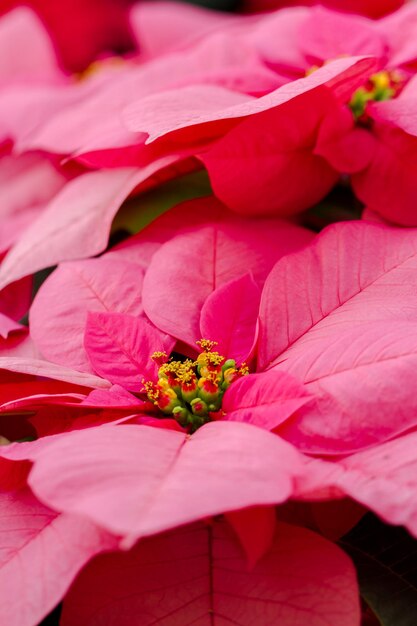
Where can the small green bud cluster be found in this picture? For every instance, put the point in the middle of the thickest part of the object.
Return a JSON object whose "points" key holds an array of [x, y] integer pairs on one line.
{"points": [[192, 391], [384, 85]]}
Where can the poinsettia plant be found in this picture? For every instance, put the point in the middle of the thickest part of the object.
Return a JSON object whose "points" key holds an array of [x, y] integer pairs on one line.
{"points": [[208, 313]]}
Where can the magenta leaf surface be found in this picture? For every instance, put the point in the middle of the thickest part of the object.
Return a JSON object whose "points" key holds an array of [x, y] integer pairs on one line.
{"points": [[328, 34], [348, 333], [255, 528], [363, 396], [256, 167], [28, 182], [161, 26], [39, 367], [236, 304], [8, 326], [185, 271], [265, 400], [205, 111], [383, 478], [76, 224], [120, 347], [15, 299], [395, 199], [26, 50], [40, 555], [116, 397], [198, 575], [59, 312], [130, 479]]}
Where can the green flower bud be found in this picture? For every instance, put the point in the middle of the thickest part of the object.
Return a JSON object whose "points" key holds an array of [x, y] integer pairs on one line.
{"points": [[189, 392], [182, 415], [230, 363], [199, 407], [196, 422]]}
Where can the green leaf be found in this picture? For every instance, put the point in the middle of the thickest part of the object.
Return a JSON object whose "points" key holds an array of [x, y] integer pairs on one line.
{"points": [[386, 561], [138, 212]]}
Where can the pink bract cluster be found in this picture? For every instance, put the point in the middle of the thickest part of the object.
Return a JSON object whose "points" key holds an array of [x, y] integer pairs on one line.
{"points": [[199, 392]]}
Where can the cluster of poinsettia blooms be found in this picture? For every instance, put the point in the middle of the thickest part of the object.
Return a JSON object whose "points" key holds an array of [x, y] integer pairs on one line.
{"points": [[167, 395]]}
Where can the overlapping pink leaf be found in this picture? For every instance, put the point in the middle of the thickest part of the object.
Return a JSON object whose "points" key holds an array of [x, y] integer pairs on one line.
{"points": [[198, 575], [347, 332]]}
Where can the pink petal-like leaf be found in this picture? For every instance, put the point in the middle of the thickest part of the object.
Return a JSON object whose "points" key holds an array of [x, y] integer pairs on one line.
{"points": [[120, 347], [19, 345], [357, 265], [8, 326], [255, 528], [88, 125], [15, 299], [11, 392], [46, 102], [162, 26], [236, 304], [165, 479], [45, 369], [382, 478], [76, 224], [328, 34], [59, 312], [255, 169], [275, 37], [178, 109], [188, 268], [205, 111], [41, 553], [116, 397], [399, 29], [352, 341], [156, 422], [198, 575], [350, 152], [265, 400], [27, 182], [363, 381], [40, 400], [26, 50], [394, 200]]}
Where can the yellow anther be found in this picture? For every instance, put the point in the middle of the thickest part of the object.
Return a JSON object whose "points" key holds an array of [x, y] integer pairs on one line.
{"points": [[152, 391], [214, 358], [211, 378], [210, 358], [170, 393], [214, 377], [169, 368], [244, 370], [192, 391], [381, 86], [187, 376], [206, 344], [381, 80], [163, 383], [229, 374]]}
